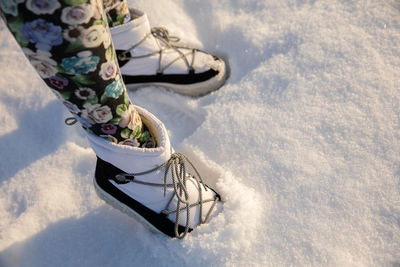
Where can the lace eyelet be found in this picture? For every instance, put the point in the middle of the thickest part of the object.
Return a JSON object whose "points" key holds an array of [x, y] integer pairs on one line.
{"points": [[70, 121], [122, 57]]}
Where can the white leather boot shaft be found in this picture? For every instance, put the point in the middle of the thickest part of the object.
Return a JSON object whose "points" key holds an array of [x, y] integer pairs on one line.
{"points": [[135, 159], [126, 35]]}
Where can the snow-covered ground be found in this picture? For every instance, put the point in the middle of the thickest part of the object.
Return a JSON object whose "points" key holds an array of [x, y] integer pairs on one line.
{"points": [[303, 142]]}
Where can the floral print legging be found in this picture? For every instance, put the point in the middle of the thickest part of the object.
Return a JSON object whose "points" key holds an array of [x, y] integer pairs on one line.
{"points": [[68, 42]]}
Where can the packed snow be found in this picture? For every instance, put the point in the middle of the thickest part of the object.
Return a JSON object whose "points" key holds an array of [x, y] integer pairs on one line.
{"points": [[303, 142]]}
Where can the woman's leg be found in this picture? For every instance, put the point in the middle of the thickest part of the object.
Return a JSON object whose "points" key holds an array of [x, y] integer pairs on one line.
{"points": [[69, 45], [117, 12]]}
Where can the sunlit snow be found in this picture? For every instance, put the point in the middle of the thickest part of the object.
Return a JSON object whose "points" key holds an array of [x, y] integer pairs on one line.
{"points": [[303, 142]]}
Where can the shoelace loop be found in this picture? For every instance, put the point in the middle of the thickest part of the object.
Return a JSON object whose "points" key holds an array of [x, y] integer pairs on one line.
{"points": [[163, 34], [176, 166]]}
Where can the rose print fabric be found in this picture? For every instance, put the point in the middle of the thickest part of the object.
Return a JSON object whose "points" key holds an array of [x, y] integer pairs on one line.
{"points": [[117, 12], [69, 45]]}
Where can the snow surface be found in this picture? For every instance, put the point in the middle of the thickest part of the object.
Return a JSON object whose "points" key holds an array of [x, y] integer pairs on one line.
{"points": [[303, 142]]}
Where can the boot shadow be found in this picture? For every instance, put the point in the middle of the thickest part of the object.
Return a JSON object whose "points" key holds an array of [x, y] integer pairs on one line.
{"points": [[242, 53], [180, 118], [39, 133], [102, 237]]}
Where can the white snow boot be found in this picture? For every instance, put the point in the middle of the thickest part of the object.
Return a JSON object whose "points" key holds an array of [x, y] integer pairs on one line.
{"points": [[157, 185], [149, 56]]}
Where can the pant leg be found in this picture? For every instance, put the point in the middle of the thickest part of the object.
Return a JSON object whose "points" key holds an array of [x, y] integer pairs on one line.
{"points": [[69, 44], [117, 12]]}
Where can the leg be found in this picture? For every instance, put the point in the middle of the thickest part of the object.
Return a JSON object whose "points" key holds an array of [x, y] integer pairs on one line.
{"points": [[70, 47], [117, 12]]}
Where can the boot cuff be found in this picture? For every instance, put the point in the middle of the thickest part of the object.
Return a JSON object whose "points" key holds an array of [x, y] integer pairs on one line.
{"points": [[135, 159], [140, 20]]}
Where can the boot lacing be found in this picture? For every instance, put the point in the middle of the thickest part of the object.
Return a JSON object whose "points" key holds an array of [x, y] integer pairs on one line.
{"points": [[176, 165], [161, 34]]}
